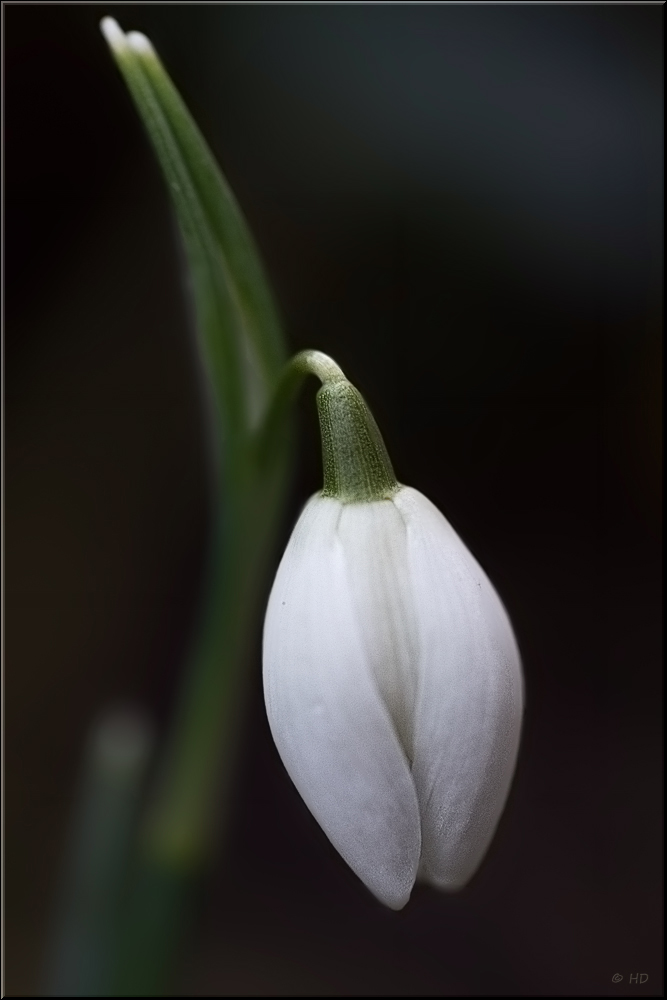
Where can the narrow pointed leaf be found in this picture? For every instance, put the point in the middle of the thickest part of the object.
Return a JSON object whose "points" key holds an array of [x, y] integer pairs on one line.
{"points": [[235, 311]]}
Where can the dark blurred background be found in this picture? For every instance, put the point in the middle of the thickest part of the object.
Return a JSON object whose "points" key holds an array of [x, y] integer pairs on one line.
{"points": [[462, 204]]}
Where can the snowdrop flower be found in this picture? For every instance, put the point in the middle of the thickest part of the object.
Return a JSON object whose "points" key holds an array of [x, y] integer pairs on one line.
{"points": [[392, 677]]}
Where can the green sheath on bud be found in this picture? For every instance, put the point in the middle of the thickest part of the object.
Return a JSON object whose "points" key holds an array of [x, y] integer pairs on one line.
{"points": [[357, 468]]}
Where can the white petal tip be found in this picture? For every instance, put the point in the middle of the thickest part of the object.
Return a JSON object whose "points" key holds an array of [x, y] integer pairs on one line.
{"points": [[395, 903], [140, 44], [113, 34], [392, 892]]}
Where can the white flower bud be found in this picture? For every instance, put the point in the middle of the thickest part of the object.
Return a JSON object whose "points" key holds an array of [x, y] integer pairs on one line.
{"points": [[393, 689]]}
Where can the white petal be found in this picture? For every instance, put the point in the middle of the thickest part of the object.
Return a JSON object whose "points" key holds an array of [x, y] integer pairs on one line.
{"points": [[470, 697], [375, 542], [332, 730]]}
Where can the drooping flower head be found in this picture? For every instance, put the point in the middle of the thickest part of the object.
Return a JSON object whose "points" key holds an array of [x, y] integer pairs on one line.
{"points": [[392, 678]]}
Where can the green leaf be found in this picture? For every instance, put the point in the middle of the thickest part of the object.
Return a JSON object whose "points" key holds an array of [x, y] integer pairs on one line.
{"points": [[236, 315], [244, 355]]}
